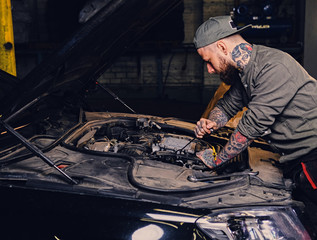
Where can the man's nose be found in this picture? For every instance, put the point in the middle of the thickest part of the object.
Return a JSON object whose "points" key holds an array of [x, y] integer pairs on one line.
{"points": [[210, 69]]}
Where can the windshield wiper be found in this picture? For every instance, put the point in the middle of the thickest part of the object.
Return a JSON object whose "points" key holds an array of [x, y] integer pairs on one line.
{"points": [[37, 152]]}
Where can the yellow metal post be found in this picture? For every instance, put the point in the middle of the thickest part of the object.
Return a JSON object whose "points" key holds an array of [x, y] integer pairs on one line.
{"points": [[7, 53]]}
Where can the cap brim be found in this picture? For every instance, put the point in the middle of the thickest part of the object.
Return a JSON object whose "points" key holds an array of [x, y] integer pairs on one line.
{"points": [[243, 28]]}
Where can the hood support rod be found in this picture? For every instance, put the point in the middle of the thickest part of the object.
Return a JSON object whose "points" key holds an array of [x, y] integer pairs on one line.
{"points": [[35, 150], [23, 109], [114, 96]]}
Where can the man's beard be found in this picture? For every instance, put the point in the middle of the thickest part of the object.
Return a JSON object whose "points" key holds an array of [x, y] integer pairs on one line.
{"points": [[228, 73]]}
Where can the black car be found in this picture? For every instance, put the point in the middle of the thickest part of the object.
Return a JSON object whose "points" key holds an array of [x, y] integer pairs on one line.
{"points": [[69, 173]]}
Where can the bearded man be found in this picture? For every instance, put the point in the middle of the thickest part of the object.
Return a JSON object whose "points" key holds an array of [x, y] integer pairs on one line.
{"points": [[280, 96]]}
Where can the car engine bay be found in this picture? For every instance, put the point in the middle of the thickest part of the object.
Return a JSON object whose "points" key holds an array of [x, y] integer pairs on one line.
{"points": [[144, 138]]}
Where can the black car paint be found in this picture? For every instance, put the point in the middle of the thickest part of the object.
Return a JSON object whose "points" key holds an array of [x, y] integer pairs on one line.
{"points": [[40, 214], [109, 202]]}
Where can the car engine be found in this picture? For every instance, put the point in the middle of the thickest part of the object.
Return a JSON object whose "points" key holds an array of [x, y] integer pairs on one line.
{"points": [[143, 138]]}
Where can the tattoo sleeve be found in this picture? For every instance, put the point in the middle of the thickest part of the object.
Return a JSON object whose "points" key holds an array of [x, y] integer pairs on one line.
{"points": [[218, 117], [236, 144]]}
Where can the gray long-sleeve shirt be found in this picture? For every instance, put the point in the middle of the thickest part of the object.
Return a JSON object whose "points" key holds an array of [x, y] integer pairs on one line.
{"points": [[281, 98]]}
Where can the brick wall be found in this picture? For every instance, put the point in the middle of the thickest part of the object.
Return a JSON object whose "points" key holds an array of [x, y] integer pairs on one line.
{"points": [[175, 71], [178, 74]]}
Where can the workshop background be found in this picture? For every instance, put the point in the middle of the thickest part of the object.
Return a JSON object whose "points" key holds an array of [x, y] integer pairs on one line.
{"points": [[162, 74]]}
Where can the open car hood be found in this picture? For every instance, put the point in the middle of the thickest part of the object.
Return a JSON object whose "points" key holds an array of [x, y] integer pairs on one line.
{"points": [[89, 52]]}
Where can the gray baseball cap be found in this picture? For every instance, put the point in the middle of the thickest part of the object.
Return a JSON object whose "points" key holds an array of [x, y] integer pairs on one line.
{"points": [[214, 29]]}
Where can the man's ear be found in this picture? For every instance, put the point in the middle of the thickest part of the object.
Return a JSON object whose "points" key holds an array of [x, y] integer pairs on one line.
{"points": [[221, 45]]}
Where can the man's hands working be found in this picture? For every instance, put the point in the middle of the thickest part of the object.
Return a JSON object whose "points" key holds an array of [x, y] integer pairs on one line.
{"points": [[236, 144], [204, 126], [216, 120]]}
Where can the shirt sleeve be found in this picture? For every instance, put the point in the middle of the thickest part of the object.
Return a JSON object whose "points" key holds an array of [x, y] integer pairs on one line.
{"points": [[272, 89], [233, 100]]}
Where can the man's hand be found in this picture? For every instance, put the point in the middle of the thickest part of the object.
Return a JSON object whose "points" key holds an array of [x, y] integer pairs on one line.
{"points": [[204, 126], [216, 119]]}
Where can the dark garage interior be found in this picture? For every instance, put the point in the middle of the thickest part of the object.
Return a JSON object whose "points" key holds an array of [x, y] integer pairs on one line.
{"points": [[148, 66], [161, 73]]}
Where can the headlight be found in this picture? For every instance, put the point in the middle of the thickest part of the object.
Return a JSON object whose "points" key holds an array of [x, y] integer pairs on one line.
{"points": [[253, 223]]}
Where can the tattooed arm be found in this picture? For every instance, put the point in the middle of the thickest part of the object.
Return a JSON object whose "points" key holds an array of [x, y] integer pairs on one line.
{"points": [[237, 143], [216, 119]]}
